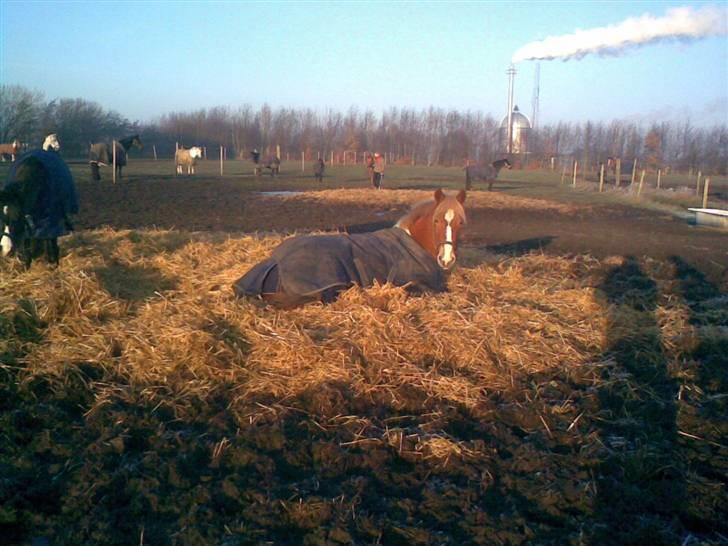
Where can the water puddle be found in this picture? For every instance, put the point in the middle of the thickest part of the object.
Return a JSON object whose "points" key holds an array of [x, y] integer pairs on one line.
{"points": [[279, 193]]}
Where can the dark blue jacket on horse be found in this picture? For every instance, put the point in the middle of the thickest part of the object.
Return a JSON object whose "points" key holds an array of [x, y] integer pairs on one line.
{"points": [[312, 267], [58, 199]]}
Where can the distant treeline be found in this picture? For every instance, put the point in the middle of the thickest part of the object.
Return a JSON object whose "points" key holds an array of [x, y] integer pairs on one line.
{"points": [[433, 135]]}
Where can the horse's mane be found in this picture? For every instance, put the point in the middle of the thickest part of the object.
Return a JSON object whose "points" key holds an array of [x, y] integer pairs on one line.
{"points": [[127, 142]]}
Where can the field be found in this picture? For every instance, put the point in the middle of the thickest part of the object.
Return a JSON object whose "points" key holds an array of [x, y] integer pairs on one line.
{"points": [[569, 388]]}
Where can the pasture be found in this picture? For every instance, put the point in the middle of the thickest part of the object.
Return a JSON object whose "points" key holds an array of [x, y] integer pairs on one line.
{"points": [[569, 388]]}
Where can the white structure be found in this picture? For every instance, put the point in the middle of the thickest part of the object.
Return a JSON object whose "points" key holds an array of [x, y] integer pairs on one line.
{"points": [[517, 126]]}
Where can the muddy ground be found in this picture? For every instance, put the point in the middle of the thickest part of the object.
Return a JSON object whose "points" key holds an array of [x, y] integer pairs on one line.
{"points": [[627, 447], [494, 224]]}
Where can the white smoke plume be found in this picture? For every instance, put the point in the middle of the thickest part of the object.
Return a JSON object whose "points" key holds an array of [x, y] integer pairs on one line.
{"points": [[683, 23]]}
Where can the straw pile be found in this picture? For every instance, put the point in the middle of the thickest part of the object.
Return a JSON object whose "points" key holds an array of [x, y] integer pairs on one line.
{"points": [[145, 404]]}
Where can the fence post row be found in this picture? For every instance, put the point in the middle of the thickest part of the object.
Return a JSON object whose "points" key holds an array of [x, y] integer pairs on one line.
{"points": [[113, 161], [705, 193], [618, 174], [642, 181]]}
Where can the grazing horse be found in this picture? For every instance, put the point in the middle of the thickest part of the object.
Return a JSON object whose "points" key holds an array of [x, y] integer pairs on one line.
{"points": [[318, 170], [37, 200], [486, 173], [415, 253], [11, 149], [187, 158], [273, 163], [101, 153]]}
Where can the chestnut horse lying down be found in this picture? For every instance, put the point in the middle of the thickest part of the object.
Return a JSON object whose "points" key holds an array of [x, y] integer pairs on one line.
{"points": [[415, 253]]}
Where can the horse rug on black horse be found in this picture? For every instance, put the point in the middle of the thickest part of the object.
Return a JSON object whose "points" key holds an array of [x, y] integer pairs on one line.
{"points": [[318, 267], [55, 202]]}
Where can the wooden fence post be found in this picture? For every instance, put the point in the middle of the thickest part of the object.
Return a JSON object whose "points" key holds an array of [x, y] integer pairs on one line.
{"points": [[697, 187], [576, 168], [222, 160], [303, 162], [113, 160], [705, 193], [642, 181], [634, 171], [332, 157], [563, 175], [618, 173], [154, 149], [601, 179], [659, 174]]}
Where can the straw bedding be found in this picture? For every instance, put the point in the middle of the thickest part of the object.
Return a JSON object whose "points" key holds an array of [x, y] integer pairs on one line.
{"points": [[541, 399]]}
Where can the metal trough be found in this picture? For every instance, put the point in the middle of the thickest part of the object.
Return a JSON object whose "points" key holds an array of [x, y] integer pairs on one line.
{"points": [[711, 217]]}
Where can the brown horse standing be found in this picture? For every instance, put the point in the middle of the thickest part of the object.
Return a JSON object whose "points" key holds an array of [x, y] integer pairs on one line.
{"points": [[415, 253]]}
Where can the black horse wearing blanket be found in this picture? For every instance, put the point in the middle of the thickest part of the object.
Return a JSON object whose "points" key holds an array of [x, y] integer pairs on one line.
{"points": [[486, 173], [415, 253], [36, 201], [102, 154]]}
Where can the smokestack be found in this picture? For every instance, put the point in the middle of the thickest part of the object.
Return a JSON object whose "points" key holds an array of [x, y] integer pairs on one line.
{"points": [[511, 76], [684, 23]]}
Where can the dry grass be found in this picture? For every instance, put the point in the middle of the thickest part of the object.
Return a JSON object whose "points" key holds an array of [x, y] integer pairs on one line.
{"points": [[140, 332]]}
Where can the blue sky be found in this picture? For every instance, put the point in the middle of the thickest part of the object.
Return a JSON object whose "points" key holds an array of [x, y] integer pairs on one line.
{"points": [[143, 59]]}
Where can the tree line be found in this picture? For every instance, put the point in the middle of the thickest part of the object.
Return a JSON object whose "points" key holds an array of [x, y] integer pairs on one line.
{"points": [[431, 136]]}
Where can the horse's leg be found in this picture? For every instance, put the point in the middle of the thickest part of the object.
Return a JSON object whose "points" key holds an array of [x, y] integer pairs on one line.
{"points": [[53, 253], [468, 181], [490, 185], [25, 252]]}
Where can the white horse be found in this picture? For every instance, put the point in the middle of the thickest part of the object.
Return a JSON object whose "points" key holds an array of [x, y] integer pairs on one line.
{"points": [[187, 158], [51, 143]]}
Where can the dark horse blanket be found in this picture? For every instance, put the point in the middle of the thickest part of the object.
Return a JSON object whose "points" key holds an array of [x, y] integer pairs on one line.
{"points": [[55, 202], [318, 267], [103, 153]]}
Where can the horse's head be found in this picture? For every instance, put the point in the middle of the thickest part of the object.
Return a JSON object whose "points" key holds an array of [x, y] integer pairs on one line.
{"points": [[195, 152], [136, 142], [505, 163], [51, 143], [436, 226]]}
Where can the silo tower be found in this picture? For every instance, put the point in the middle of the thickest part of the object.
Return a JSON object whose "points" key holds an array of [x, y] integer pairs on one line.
{"points": [[520, 130]]}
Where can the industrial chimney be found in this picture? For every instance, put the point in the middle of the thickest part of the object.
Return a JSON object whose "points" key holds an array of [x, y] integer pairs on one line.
{"points": [[511, 76]]}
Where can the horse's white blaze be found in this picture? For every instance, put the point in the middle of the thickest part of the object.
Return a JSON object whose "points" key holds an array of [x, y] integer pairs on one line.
{"points": [[5, 242], [446, 253]]}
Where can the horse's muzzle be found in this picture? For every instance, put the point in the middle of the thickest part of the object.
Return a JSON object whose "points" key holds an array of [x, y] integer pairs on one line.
{"points": [[446, 257]]}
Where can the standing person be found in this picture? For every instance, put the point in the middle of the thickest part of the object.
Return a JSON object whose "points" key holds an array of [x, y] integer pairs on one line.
{"points": [[378, 170], [370, 168], [318, 169], [255, 157]]}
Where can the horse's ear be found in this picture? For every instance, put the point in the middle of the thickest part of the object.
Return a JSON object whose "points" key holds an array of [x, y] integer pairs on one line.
{"points": [[461, 196], [439, 195]]}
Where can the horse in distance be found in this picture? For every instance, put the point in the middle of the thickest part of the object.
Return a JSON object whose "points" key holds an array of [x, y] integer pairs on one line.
{"points": [[486, 173], [10, 149], [416, 253], [187, 158], [102, 154]]}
